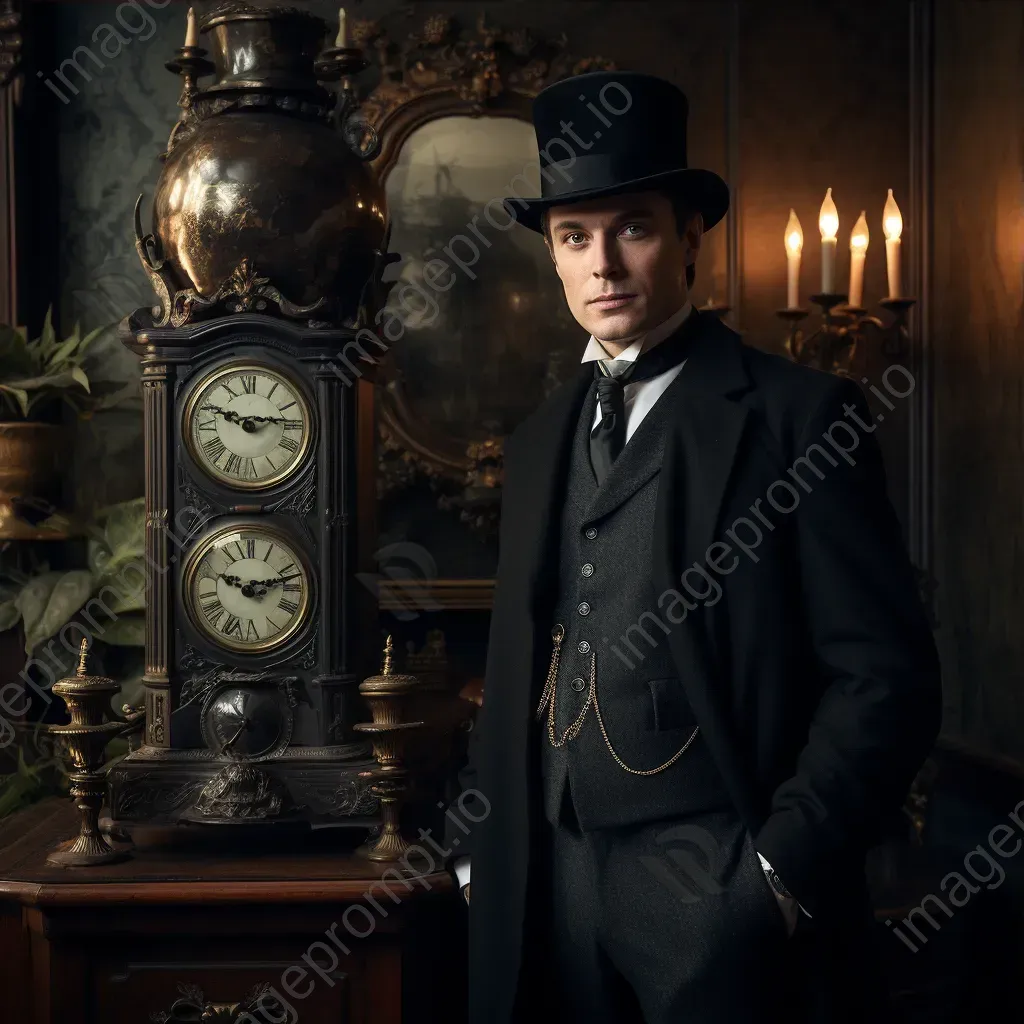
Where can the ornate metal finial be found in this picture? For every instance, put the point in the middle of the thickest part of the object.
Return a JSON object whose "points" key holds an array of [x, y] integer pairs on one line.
{"points": [[389, 647], [83, 654]]}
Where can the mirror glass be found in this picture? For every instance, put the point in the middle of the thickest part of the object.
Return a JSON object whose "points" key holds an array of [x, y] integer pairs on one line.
{"points": [[487, 333]]}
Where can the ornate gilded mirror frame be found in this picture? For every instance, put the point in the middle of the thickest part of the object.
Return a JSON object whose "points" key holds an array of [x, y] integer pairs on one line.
{"points": [[438, 72]]}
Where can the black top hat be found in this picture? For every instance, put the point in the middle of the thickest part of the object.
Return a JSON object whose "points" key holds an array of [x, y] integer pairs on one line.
{"points": [[608, 132]]}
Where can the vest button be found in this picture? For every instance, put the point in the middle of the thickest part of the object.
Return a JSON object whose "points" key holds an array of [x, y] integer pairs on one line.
{"points": [[578, 683], [591, 532], [587, 570], [583, 647], [583, 608]]}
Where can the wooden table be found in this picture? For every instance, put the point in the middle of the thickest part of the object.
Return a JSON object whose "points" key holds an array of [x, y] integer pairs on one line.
{"points": [[207, 914]]}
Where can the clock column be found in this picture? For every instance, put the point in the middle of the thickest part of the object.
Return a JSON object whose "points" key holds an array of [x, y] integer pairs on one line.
{"points": [[157, 432], [337, 487]]}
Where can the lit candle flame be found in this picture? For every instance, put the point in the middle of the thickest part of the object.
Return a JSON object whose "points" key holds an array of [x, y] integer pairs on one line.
{"points": [[794, 237], [859, 236], [828, 218], [892, 220]]}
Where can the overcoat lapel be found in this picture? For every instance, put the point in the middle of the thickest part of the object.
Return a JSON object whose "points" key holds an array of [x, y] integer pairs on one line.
{"points": [[701, 448]]}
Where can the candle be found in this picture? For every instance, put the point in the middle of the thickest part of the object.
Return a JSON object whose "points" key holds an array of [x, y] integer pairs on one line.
{"points": [[858, 252], [892, 225], [794, 241], [192, 29], [828, 225], [341, 42]]}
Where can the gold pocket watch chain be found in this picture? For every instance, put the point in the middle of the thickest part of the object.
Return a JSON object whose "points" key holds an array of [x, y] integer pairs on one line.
{"points": [[547, 701]]}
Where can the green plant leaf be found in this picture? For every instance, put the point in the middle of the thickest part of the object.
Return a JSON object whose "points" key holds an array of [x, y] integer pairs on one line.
{"points": [[60, 354], [124, 533], [79, 374], [49, 601], [10, 614], [128, 585], [17, 396], [48, 339], [49, 382], [127, 630], [92, 336]]}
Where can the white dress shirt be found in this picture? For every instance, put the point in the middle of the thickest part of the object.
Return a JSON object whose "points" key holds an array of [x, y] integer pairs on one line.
{"points": [[639, 398]]}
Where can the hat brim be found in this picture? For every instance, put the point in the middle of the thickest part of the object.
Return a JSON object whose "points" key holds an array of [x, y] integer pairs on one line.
{"points": [[706, 190]]}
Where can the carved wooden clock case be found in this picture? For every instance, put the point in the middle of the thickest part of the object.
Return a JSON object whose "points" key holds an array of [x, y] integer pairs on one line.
{"points": [[252, 681], [266, 256]]}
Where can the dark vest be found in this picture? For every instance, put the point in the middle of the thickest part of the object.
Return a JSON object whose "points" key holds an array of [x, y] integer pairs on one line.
{"points": [[604, 592]]}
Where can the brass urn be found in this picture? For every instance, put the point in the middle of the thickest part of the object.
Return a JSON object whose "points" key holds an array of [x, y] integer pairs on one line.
{"points": [[266, 202], [30, 477]]}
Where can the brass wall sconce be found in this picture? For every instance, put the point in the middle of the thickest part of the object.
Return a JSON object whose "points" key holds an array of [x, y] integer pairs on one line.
{"points": [[845, 322], [833, 344]]}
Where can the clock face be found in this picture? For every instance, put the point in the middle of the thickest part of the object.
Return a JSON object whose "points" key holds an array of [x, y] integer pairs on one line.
{"points": [[245, 723], [248, 426], [247, 588]]}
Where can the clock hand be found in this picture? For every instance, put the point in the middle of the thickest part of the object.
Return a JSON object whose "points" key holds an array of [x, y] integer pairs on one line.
{"points": [[238, 732], [248, 423], [231, 581]]}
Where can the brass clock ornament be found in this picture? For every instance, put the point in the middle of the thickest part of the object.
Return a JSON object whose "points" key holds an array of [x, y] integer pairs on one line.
{"points": [[248, 426], [247, 588]]}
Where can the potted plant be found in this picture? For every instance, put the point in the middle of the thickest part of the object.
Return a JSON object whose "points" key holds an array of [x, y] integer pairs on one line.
{"points": [[38, 380], [105, 597]]}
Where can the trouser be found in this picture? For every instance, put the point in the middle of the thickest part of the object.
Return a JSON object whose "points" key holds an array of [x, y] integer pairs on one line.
{"points": [[673, 922]]}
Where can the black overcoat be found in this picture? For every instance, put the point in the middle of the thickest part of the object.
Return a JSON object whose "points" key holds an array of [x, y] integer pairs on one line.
{"points": [[813, 673]]}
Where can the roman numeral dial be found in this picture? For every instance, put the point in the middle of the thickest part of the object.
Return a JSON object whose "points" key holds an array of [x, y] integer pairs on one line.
{"points": [[247, 588], [248, 426]]}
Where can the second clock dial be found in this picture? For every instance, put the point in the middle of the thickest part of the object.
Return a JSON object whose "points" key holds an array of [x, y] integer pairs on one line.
{"points": [[247, 588], [247, 426]]}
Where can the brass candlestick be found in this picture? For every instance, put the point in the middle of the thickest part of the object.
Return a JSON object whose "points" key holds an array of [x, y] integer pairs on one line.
{"points": [[86, 737], [833, 345], [338, 64], [386, 695], [191, 63]]}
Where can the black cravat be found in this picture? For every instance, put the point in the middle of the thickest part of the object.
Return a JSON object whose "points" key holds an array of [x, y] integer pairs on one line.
{"points": [[608, 438]]}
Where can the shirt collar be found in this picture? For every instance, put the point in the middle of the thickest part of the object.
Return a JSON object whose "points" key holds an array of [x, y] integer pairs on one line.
{"points": [[595, 350]]}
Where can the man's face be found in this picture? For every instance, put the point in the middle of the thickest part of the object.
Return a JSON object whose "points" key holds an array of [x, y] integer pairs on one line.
{"points": [[622, 262]]}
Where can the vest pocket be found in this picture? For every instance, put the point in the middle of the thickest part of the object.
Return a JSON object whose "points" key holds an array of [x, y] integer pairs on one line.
{"points": [[671, 708]]}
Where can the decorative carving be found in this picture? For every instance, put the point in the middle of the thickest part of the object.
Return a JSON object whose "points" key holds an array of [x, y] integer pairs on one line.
{"points": [[245, 291], [196, 502], [299, 503], [478, 67], [353, 797], [236, 8], [156, 718], [306, 656], [148, 795], [240, 791], [198, 685], [10, 40], [192, 1007]]}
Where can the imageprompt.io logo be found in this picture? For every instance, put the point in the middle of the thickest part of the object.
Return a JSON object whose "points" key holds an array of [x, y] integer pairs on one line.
{"points": [[694, 855]]}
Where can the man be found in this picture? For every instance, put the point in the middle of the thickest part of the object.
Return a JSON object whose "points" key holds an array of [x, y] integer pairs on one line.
{"points": [[709, 680]]}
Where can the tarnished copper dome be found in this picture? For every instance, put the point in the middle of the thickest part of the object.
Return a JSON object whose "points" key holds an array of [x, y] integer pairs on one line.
{"points": [[261, 182]]}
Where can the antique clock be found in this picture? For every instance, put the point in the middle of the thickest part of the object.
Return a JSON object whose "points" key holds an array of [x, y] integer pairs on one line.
{"points": [[267, 253]]}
